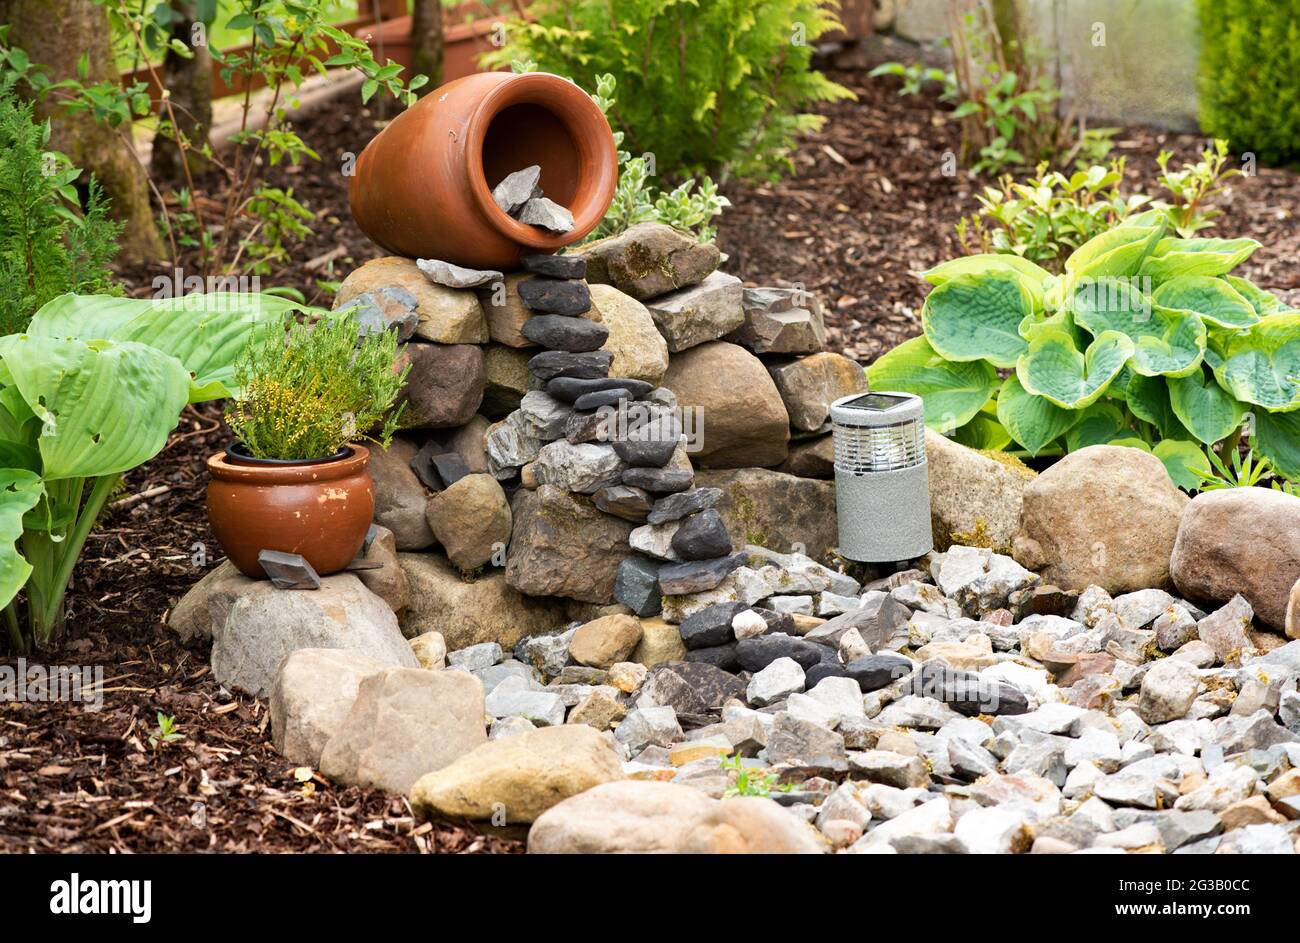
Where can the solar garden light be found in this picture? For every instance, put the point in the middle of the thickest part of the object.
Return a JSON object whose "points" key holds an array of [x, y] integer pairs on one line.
{"points": [[882, 481]]}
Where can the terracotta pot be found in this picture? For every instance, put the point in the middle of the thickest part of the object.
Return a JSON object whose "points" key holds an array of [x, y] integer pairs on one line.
{"points": [[319, 509], [423, 186]]}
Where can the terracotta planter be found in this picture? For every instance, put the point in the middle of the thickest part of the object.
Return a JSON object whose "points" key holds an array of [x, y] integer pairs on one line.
{"points": [[423, 186], [319, 509]]}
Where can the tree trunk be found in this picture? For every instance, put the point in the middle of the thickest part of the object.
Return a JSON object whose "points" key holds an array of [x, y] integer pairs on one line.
{"points": [[189, 82], [426, 42], [55, 34]]}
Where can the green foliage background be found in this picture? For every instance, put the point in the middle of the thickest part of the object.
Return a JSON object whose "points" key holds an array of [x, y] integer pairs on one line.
{"points": [[1250, 75]]}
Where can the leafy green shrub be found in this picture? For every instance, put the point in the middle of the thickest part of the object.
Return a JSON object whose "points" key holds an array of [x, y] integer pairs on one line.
{"points": [[706, 87], [916, 76], [309, 394], [48, 245], [1250, 76], [90, 391], [1145, 340]]}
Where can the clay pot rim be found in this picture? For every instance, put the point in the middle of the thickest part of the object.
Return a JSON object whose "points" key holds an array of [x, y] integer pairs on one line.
{"points": [[543, 88], [306, 472]]}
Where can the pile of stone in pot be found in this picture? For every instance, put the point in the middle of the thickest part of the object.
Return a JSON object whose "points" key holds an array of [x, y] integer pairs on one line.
{"points": [[520, 196]]}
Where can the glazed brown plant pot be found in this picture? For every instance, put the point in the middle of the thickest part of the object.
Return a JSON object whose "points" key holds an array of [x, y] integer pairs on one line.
{"points": [[423, 186], [320, 509]]}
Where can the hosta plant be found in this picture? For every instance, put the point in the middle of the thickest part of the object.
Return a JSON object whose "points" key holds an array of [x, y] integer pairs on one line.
{"points": [[89, 392], [1145, 340]]}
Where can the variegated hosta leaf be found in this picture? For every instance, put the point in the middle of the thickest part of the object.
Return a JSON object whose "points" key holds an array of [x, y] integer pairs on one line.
{"points": [[1185, 462], [952, 392], [1277, 437], [105, 406], [20, 491], [1213, 299], [205, 332], [1035, 277], [977, 317], [983, 432], [1264, 302], [1174, 257], [1053, 367], [1261, 364], [1033, 421], [1099, 424], [1148, 399], [1117, 252], [1208, 411], [1166, 342]]}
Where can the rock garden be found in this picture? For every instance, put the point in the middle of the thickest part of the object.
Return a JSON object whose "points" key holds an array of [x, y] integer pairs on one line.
{"points": [[530, 531]]}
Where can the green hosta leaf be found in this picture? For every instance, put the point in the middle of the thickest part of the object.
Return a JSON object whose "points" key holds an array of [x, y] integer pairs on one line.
{"points": [[977, 317], [1166, 342], [1054, 368], [1033, 421], [1277, 437], [105, 406], [1261, 364], [1117, 252], [1212, 298], [1034, 277], [1101, 423], [1208, 411], [1262, 301], [1185, 462], [1174, 257], [20, 491], [983, 432], [1148, 399], [953, 392], [205, 332]]}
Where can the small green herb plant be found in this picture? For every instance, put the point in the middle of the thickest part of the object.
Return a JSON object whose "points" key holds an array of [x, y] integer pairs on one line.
{"points": [[167, 731], [916, 76], [1146, 340], [308, 393]]}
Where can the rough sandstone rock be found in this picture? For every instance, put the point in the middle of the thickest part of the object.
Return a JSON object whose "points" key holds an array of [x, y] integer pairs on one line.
{"points": [[704, 312], [627, 817], [660, 642], [466, 613], [445, 385], [1240, 540], [753, 826], [430, 650], [313, 692], [1293, 612], [505, 311], [1105, 516], [810, 458], [742, 420], [640, 352], [647, 260], [388, 582], [518, 777], [605, 641], [404, 723], [810, 384], [563, 546], [446, 316], [781, 321], [976, 499], [776, 511], [400, 499], [265, 624], [468, 441], [208, 601], [506, 379], [471, 519]]}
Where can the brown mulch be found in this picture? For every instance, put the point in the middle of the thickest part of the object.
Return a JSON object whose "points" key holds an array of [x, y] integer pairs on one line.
{"points": [[867, 209]]}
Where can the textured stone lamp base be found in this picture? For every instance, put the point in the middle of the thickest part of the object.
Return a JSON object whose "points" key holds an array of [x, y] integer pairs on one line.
{"points": [[884, 517]]}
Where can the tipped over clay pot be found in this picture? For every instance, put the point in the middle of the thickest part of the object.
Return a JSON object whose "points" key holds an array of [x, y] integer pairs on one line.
{"points": [[320, 509], [423, 186]]}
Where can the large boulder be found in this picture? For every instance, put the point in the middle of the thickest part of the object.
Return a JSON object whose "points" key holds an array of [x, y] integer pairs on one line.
{"points": [[445, 385], [742, 420], [640, 352], [751, 825], [810, 384], [400, 498], [777, 511], [1240, 540], [404, 723], [265, 624], [563, 546], [468, 612], [976, 498], [520, 777], [1104, 516], [626, 817], [313, 692], [208, 601], [648, 259], [397, 288], [471, 519]]}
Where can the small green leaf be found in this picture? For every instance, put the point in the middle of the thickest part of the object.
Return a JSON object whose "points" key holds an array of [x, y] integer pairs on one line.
{"points": [[20, 491], [1184, 461], [1148, 399], [1117, 252]]}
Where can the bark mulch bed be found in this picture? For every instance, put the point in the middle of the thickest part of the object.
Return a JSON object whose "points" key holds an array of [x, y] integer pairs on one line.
{"points": [[867, 209]]}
